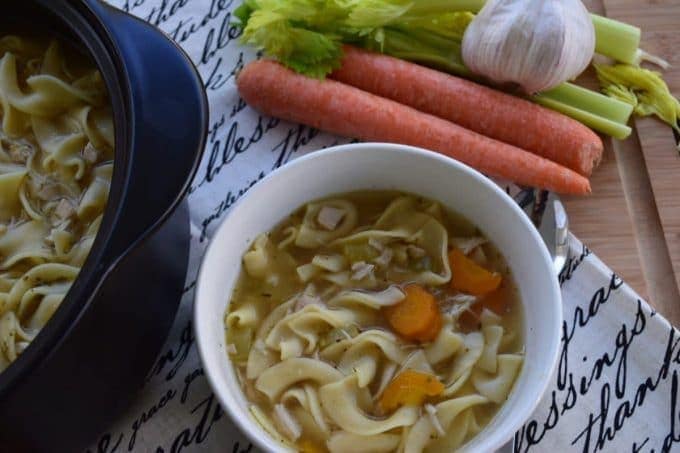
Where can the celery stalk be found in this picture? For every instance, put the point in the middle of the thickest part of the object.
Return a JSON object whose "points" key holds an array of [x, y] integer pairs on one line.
{"points": [[429, 49], [616, 39], [591, 101], [599, 123], [427, 7]]}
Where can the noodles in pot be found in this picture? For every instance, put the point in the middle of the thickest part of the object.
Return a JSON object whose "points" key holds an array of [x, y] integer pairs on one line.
{"points": [[56, 161]]}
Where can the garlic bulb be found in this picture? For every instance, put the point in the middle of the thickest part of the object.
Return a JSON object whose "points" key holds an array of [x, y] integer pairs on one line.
{"points": [[537, 44]]}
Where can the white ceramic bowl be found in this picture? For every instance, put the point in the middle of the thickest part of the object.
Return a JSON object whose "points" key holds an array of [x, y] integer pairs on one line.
{"points": [[384, 166]]}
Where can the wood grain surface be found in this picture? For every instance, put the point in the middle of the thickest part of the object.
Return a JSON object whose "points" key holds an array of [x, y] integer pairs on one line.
{"points": [[632, 220]]}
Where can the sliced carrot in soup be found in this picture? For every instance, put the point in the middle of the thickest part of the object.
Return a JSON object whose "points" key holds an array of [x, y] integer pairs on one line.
{"points": [[409, 388], [469, 277], [417, 316]]}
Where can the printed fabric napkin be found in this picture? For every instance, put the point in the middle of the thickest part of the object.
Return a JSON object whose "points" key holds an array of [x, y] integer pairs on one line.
{"points": [[616, 385]]}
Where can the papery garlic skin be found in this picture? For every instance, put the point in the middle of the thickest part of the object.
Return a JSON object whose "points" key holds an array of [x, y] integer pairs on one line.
{"points": [[536, 44]]}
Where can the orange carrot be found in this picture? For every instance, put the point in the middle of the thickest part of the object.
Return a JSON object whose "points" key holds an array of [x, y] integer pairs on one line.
{"points": [[338, 108], [469, 277], [433, 331], [497, 301], [482, 109], [410, 388], [417, 317]]}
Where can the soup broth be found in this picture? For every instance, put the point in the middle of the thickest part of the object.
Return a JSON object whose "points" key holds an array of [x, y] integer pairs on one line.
{"points": [[374, 321]]}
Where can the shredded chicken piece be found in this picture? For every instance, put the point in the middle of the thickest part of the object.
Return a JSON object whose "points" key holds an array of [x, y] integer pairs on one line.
{"points": [[21, 346], [231, 349], [376, 244], [462, 298], [466, 245], [414, 251], [310, 289], [361, 270], [434, 420], [64, 210], [306, 299], [400, 269], [273, 280], [288, 421], [455, 305], [400, 254], [90, 153], [49, 190], [260, 345], [20, 152], [330, 217], [479, 257], [385, 257]]}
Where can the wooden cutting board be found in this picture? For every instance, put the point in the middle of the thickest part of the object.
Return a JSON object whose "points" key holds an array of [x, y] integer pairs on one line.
{"points": [[632, 220]]}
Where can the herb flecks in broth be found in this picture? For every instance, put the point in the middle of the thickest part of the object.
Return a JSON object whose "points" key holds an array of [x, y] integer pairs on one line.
{"points": [[374, 321], [56, 151]]}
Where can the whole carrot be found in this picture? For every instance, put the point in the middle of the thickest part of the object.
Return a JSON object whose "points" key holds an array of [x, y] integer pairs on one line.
{"points": [[490, 112], [344, 110]]}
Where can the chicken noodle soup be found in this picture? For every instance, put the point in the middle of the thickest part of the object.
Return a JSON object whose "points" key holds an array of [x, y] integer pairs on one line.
{"points": [[374, 321], [56, 152]]}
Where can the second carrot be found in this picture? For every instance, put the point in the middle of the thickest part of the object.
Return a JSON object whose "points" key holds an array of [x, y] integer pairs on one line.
{"points": [[344, 110]]}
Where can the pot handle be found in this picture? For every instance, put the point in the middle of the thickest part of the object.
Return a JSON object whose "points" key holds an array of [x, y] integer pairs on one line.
{"points": [[168, 121]]}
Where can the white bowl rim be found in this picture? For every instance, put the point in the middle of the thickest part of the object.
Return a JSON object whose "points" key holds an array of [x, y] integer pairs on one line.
{"points": [[244, 422]]}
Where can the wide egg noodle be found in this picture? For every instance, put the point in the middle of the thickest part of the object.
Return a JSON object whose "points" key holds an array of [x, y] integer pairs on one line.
{"points": [[307, 324], [497, 387], [339, 400], [332, 263], [307, 397], [342, 442], [463, 426], [78, 253], [10, 203], [96, 194], [371, 299], [257, 261], [11, 332], [276, 379], [35, 282], [445, 345], [266, 423], [473, 346], [387, 342], [401, 220], [47, 94], [363, 363], [24, 242], [423, 431], [260, 358], [246, 315], [492, 339]]}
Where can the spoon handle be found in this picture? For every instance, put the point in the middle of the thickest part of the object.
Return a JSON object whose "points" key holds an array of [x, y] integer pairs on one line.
{"points": [[546, 211]]}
